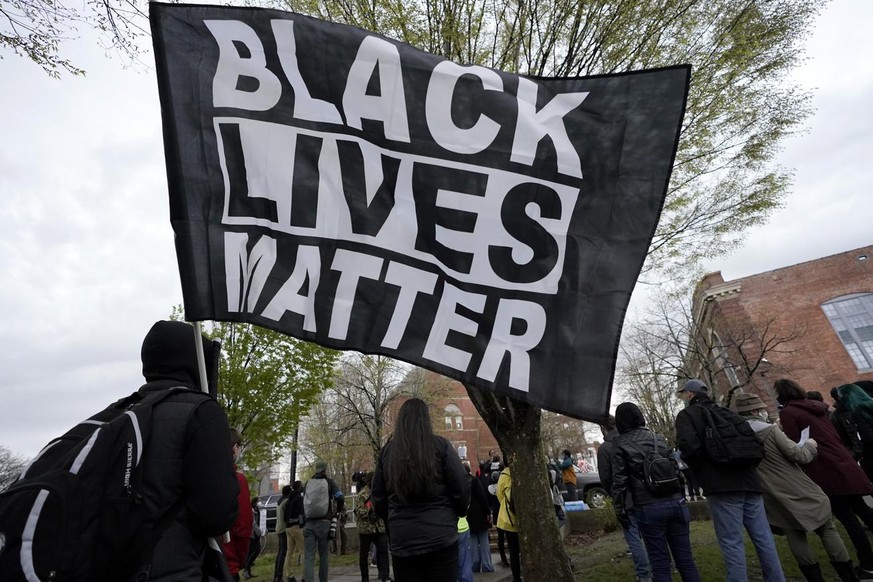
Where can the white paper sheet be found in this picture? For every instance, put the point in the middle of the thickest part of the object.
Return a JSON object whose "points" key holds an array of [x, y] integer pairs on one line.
{"points": [[804, 436]]}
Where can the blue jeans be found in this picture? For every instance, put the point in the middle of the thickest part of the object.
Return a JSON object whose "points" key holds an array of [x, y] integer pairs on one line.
{"points": [[637, 550], [315, 537], [481, 551], [465, 557], [664, 527], [730, 513]]}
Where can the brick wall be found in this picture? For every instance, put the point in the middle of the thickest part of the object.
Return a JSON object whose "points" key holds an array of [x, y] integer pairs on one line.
{"points": [[787, 299]]}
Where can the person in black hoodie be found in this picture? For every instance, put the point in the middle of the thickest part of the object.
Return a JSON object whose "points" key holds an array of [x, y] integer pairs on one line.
{"points": [[421, 489], [629, 527], [662, 516], [188, 468]]}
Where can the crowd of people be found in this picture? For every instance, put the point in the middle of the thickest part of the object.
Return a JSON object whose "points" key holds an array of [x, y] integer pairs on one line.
{"points": [[428, 514], [423, 515], [789, 476]]}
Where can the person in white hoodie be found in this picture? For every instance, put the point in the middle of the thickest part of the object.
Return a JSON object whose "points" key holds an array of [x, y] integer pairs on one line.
{"points": [[793, 502]]}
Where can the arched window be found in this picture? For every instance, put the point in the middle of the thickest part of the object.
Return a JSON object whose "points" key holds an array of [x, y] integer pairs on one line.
{"points": [[852, 318], [454, 419]]}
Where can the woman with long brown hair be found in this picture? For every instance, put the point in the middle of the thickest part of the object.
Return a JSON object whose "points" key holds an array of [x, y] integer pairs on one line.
{"points": [[421, 488]]}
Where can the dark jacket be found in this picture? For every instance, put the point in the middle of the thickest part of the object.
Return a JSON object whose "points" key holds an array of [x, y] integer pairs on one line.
{"points": [[628, 461], [294, 508], [480, 510], [428, 523], [714, 477], [189, 469], [847, 431], [834, 469], [604, 460]]}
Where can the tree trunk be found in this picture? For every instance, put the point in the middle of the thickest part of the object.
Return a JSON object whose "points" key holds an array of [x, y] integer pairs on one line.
{"points": [[516, 426]]}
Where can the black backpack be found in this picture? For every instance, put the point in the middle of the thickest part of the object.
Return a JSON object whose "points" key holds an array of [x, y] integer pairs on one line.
{"points": [[76, 512], [660, 473], [728, 438]]}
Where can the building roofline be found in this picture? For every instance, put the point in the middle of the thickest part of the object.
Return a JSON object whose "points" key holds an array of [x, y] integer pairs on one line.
{"points": [[791, 266]]}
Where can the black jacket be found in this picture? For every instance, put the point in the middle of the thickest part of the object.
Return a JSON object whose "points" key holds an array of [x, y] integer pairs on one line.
{"points": [[294, 508], [428, 523], [189, 468], [480, 509], [628, 460], [604, 460], [714, 477]]}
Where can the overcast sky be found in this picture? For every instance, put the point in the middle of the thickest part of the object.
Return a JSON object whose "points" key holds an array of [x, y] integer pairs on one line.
{"points": [[86, 248]]}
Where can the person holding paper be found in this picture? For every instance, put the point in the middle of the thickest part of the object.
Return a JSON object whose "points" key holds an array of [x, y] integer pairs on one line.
{"points": [[793, 502], [834, 469]]}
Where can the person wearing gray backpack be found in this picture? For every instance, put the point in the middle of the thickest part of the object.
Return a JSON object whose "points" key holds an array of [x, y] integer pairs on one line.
{"points": [[322, 502]]}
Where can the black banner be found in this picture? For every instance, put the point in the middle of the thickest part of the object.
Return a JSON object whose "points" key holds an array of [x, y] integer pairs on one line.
{"points": [[347, 189]]}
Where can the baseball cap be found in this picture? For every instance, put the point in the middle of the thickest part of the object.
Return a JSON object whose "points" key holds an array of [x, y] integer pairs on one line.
{"points": [[695, 386]]}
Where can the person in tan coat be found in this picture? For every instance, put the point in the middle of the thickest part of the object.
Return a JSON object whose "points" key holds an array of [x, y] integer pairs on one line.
{"points": [[793, 502]]}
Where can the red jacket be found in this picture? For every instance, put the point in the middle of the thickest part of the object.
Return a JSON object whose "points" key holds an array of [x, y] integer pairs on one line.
{"points": [[833, 469], [236, 550]]}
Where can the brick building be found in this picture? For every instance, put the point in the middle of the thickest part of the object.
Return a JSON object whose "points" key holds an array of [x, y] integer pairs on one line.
{"points": [[811, 322], [460, 422]]}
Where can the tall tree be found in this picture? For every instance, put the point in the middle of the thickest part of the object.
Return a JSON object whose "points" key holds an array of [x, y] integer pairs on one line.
{"points": [[365, 392], [561, 432], [667, 345], [326, 436], [268, 382], [351, 422], [740, 107]]}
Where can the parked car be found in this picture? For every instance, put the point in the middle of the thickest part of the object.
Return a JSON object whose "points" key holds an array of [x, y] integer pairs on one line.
{"points": [[588, 488], [270, 503]]}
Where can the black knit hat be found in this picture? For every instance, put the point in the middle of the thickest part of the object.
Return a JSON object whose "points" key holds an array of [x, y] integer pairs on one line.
{"points": [[628, 416]]}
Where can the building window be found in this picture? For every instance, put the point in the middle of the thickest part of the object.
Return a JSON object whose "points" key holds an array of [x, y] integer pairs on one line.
{"points": [[453, 417], [852, 318], [720, 355]]}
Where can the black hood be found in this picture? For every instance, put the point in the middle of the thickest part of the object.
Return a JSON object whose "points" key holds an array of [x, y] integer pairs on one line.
{"points": [[169, 353], [628, 416]]}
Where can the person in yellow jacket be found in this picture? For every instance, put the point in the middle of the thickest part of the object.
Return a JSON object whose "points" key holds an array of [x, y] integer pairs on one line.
{"points": [[508, 522]]}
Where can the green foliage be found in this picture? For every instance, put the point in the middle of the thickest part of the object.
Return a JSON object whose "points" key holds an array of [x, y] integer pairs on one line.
{"points": [[741, 106], [606, 517], [268, 381], [604, 558]]}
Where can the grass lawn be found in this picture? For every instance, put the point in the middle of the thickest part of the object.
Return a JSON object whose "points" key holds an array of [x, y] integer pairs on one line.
{"points": [[604, 557], [265, 563]]}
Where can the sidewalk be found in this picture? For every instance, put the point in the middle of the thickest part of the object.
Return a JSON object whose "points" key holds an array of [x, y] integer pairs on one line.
{"points": [[353, 573]]}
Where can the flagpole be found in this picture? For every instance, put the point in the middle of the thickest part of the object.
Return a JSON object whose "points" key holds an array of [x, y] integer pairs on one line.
{"points": [[201, 357]]}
